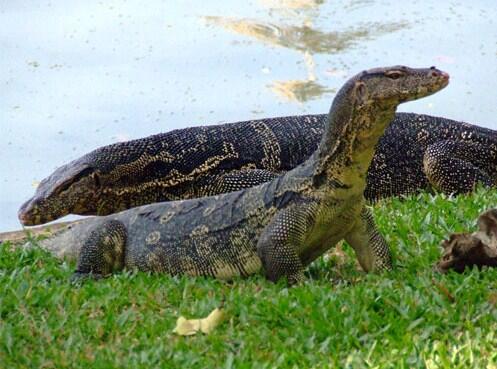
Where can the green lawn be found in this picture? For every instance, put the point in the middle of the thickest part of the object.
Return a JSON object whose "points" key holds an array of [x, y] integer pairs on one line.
{"points": [[341, 317]]}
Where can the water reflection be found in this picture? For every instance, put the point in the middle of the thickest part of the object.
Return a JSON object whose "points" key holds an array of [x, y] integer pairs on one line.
{"points": [[304, 38], [301, 90], [309, 4], [291, 4]]}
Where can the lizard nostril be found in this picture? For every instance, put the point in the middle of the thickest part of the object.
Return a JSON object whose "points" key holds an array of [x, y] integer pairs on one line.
{"points": [[435, 73]]}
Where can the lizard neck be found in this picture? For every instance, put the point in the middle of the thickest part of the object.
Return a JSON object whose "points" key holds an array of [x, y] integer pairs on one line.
{"points": [[348, 145]]}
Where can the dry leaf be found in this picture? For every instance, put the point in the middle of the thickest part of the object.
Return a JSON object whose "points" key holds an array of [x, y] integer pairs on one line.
{"points": [[188, 327], [185, 327]]}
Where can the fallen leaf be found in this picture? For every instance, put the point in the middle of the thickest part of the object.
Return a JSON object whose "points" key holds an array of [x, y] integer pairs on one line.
{"points": [[188, 327], [185, 327]]}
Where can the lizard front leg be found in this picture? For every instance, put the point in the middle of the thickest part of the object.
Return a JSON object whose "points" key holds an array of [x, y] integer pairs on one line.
{"points": [[370, 247], [279, 245], [458, 166], [102, 251]]}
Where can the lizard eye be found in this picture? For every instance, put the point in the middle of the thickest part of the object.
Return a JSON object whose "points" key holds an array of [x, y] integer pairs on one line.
{"points": [[70, 181], [394, 74], [96, 179], [361, 90]]}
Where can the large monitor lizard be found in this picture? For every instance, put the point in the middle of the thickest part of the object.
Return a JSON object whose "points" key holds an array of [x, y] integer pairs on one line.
{"points": [[281, 225], [417, 152]]}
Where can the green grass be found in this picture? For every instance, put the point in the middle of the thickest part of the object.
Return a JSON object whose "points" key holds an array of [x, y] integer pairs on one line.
{"points": [[340, 317]]}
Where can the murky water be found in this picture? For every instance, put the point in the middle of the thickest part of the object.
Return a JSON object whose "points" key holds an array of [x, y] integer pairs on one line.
{"points": [[81, 74]]}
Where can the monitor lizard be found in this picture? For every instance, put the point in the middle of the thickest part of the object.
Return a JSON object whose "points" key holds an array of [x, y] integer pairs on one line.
{"points": [[280, 226]]}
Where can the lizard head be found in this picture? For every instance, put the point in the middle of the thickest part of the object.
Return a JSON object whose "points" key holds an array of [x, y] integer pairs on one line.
{"points": [[379, 91], [72, 188], [104, 181], [363, 108], [383, 89], [388, 87]]}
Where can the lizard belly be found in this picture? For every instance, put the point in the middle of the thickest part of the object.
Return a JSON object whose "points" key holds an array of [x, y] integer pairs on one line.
{"points": [[222, 254]]}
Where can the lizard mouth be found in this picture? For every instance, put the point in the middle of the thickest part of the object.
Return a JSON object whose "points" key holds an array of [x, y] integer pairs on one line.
{"points": [[30, 214], [441, 81], [24, 214], [445, 79], [28, 220], [442, 77]]}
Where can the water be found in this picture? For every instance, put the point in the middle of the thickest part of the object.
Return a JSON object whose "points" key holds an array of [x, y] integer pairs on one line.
{"points": [[81, 74]]}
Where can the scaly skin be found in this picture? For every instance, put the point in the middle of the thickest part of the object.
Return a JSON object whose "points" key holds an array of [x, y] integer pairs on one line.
{"points": [[417, 152], [281, 225]]}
